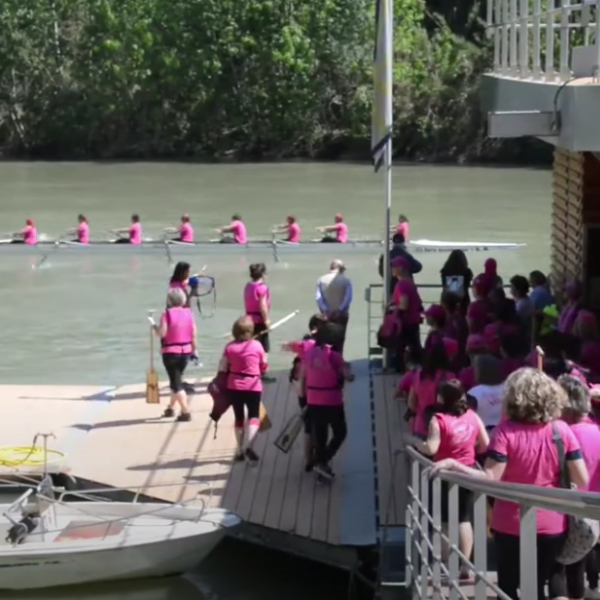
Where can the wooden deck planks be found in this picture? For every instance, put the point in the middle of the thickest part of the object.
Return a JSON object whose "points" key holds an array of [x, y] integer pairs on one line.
{"points": [[389, 427]]}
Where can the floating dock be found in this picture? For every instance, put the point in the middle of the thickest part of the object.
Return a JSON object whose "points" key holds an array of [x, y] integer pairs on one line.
{"points": [[110, 438]]}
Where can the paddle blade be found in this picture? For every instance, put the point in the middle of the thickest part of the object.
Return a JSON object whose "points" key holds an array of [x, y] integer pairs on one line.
{"points": [[217, 391], [201, 285], [285, 440], [152, 391], [265, 422]]}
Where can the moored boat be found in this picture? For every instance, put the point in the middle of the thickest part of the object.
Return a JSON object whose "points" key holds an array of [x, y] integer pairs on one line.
{"points": [[53, 543]]}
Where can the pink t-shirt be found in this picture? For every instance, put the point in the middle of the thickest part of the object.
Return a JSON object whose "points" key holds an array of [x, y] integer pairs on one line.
{"points": [[239, 232], [477, 315], [247, 361], [323, 372], [467, 378], [433, 338], [403, 229], [186, 233], [29, 235], [341, 232], [406, 382], [458, 436], [253, 293], [83, 233], [293, 233], [587, 433], [407, 287], [301, 347], [531, 458], [426, 392], [135, 234]]}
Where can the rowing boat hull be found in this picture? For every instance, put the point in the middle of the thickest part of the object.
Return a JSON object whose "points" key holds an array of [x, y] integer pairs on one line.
{"points": [[154, 247]]}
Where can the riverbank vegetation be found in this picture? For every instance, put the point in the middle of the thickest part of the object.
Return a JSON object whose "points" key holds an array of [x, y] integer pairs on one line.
{"points": [[217, 79]]}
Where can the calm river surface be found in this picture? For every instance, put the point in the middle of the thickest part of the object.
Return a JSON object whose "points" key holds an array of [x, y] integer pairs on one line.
{"points": [[81, 318]]}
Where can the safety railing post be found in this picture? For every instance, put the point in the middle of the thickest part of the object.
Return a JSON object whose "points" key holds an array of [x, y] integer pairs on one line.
{"points": [[453, 538], [436, 504], [424, 554], [536, 62], [528, 551], [565, 18], [480, 538]]}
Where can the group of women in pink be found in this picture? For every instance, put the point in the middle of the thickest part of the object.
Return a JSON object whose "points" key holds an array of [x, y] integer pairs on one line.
{"points": [[477, 405]]}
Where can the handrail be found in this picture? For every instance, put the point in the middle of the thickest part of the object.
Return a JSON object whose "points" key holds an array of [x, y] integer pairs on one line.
{"points": [[519, 26], [425, 536]]}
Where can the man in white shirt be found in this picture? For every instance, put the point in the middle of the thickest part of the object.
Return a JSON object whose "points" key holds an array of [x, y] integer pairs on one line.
{"points": [[334, 297]]}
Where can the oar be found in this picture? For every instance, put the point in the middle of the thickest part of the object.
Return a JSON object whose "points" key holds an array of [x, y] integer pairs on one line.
{"points": [[272, 327], [46, 255], [119, 234], [539, 354], [152, 391]]}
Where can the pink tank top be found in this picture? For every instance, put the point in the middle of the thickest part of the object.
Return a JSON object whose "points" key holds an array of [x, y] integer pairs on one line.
{"points": [[135, 234], [458, 436], [83, 233], [403, 229], [253, 292], [246, 364], [30, 235], [239, 232], [186, 233], [294, 233], [341, 232], [426, 391], [324, 376], [180, 331]]}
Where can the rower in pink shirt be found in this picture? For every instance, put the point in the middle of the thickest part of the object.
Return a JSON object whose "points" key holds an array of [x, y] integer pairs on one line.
{"points": [[28, 235], [82, 230], [184, 232], [237, 229], [291, 228], [339, 229], [133, 232], [402, 227]]}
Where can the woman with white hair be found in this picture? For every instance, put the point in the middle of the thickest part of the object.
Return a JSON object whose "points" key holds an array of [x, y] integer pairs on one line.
{"points": [[523, 450], [576, 413], [177, 333]]}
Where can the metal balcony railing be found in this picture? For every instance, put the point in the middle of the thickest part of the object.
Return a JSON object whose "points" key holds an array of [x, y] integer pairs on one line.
{"points": [[534, 39]]}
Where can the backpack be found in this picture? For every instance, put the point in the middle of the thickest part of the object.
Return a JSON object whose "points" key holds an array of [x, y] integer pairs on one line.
{"points": [[389, 330]]}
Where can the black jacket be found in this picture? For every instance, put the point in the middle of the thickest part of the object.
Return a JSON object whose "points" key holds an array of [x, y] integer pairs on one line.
{"points": [[399, 250]]}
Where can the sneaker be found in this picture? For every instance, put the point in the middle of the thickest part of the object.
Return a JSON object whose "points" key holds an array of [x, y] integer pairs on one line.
{"points": [[184, 417], [239, 456], [251, 455], [592, 594], [169, 412], [324, 471], [309, 466]]}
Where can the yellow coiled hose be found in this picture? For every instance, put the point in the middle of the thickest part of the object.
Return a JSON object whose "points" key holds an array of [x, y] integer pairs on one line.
{"points": [[29, 456]]}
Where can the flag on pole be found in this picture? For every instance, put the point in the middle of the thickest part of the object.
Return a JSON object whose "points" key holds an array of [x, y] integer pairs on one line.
{"points": [[381, 129]]}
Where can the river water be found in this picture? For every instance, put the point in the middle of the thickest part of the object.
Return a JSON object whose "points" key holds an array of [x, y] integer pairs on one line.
{"points": [[80, 319]]}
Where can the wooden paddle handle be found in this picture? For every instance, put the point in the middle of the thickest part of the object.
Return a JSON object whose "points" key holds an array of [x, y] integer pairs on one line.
{"points": [[539, 353], [151, 348]]}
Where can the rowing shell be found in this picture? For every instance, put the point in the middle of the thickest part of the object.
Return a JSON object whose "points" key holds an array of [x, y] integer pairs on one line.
{"points": [[151, 245]]}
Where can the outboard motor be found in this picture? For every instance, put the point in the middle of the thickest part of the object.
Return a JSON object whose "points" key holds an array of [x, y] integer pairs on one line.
{"points": [[19, 531]]}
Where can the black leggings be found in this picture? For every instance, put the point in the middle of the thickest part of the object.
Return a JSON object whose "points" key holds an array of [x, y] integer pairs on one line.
{"points": [[575, 579], [548, 570], [306, 415], [592, 567], [122, 240], [241, 398], [175, 365], [321, 419], [410, 337], [330, 240]]}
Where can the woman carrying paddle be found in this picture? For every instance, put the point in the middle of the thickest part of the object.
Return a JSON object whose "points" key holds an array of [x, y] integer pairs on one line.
{"points": [[185, 231], [244, 360], [257, 303], [134, 232], [28, 235], [339, 228], [177, 333], [291, 228]]}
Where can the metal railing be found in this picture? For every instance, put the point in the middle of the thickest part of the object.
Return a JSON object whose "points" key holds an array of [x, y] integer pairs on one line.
{"points": [[425, 571], [534, 39]]}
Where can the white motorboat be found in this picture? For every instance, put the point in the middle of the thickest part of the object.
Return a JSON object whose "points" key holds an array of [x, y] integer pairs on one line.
{"points": [[49, 542]]}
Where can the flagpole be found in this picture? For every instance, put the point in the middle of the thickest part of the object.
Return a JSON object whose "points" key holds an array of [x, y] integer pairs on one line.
{"points": [[389, 51]]}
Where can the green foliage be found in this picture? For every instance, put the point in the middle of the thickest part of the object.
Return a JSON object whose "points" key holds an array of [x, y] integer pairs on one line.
{"points": [[241, 78]]}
